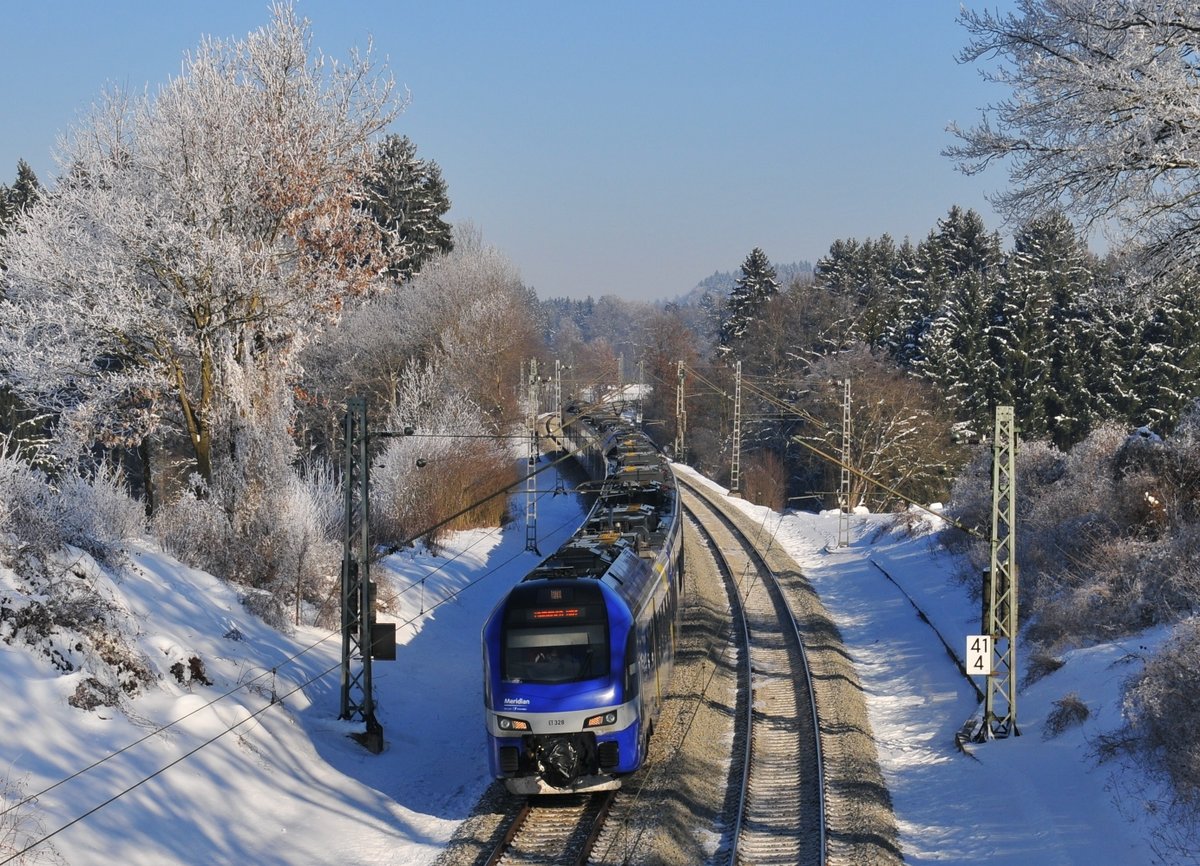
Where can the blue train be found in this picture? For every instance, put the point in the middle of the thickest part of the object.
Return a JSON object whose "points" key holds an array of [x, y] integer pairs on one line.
{"points": [[578, 655]]}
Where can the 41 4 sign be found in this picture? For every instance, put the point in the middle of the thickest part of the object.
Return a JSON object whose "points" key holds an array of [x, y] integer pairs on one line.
{"points": [[979, 655]]}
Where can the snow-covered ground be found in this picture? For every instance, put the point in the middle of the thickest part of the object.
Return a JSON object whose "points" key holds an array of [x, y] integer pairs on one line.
{"points": [[1015, 802], [288, 786]]}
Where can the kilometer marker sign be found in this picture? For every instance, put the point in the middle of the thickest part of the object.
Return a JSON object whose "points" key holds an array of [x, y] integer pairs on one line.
{"points": [[979, 655]]}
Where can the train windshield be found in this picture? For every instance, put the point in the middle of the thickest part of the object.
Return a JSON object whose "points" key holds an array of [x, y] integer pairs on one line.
{"points": [[555, 634]]}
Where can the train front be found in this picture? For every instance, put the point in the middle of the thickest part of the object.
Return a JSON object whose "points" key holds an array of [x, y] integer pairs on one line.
{"points": [[560, 685]]}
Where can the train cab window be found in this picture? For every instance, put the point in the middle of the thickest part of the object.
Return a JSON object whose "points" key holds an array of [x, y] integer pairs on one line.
{"points": [[555, 634]]}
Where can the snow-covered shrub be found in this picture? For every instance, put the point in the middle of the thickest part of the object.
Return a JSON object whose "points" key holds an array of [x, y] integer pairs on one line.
{"points": [[1162, 705], [420, 483], [308, 545], [1180, 564], [21, 825], [1169, 471], [1103, 546], [60, 608], [1069, 712], [92, 513], [286, 551], [98, 513], [29, 513], [194, 528], [1040, 664]]}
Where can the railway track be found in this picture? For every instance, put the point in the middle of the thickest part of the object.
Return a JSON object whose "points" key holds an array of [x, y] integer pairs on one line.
{"points": [[779, 814], [559, 829], [689, 807]]}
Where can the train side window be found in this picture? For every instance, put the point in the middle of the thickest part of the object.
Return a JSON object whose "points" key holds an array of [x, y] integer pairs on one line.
{"points": [[631, 665]]}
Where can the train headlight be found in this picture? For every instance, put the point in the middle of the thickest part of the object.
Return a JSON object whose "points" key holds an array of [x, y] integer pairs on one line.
{"points": [[507, 724], [609, 718]]}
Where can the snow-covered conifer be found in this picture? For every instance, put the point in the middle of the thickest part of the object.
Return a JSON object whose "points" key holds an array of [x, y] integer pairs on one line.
{"points": [[1038, 329], [1166, 375], [754, 287], [407, 197], [26, 190], [957, 358]]}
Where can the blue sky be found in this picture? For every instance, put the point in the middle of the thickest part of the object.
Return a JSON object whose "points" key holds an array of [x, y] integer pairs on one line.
{"points": [[627, 148]]}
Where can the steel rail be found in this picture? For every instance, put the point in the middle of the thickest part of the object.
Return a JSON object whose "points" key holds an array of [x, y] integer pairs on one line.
{"points": [[719, 509], [579, 823], [748, 716]]}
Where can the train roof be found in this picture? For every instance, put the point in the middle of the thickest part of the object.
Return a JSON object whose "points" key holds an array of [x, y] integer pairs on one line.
{"points": [[616, 564]]}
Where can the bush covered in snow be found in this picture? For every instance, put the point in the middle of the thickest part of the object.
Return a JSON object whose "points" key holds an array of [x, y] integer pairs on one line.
{"points": [[283, 548], [55, 591], [1163, 708], [1108, 533], [1108, 544], [39, 515], [1069, 712], [446, 469]]}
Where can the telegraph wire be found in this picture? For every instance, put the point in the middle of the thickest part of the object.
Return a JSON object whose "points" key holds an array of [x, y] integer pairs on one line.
{"points": [[973, 531], [272, 671]]}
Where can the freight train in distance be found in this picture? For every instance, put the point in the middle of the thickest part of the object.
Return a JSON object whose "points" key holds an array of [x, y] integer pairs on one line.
{"points": [[578, 655]]}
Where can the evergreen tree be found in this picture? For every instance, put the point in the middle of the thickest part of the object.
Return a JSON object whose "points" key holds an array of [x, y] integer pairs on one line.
{"points": [[712, 307], [965, 244], [1112, 343], [407, 197], [947, 292], [957, 356], [864, 275], [1166, 375], [901, 331], [1038, 331], [959, 246], [877, 299], [837, 270], [25, 190], [757, 284], [6, 211]]}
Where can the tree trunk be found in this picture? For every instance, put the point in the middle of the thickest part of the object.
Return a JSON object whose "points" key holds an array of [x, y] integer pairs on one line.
{"points": [[147, 476]]}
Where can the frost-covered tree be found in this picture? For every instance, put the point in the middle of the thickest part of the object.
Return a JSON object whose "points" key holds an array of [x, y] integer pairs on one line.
{"points": [[466, 312], [753, 288], [26, 190], [899, 433], [407, 197], [1037, 334], [7, 214], [1102, 120], [1166, 376], [212, 222]]}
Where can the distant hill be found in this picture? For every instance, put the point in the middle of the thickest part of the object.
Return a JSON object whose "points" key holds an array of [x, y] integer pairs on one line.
{"points": [[722, 282]]}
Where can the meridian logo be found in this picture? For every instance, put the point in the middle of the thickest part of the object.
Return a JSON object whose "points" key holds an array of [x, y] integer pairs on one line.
{"points": [[521, 702]]}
